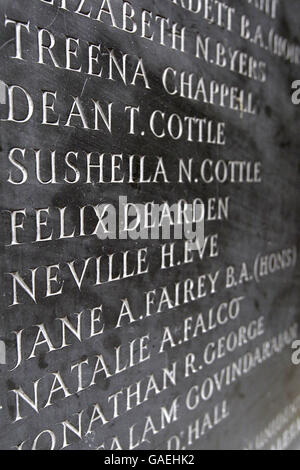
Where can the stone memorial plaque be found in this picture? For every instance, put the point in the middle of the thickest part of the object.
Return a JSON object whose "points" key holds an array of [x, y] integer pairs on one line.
{"points": [[150, 224]]}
